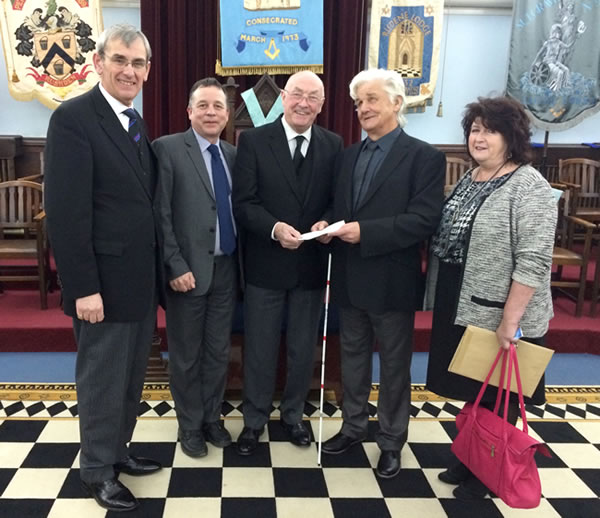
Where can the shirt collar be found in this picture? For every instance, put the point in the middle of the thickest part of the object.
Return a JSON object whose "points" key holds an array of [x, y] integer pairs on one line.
{"points": [[291, 133], [202, 142], [117, 106], [385, 143]]}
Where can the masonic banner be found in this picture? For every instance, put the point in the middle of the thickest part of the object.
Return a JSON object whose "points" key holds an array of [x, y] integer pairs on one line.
{"points": [[405, 36], [554, 65], [48, 47], [273, 36]]}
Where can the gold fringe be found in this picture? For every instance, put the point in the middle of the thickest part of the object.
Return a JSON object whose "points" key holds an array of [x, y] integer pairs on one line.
{"points": [[260, 69]]}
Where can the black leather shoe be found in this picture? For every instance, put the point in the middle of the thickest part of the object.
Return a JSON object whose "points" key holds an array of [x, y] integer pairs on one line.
{"points": [[192, 443], [112, 495], [248, 440], [339, 443], [389, 464], [298, 433], [137, 466], [455, 474], [471, 489], [216, 434]]}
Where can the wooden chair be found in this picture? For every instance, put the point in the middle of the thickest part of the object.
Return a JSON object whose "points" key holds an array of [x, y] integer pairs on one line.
{"points": [[23, 234], [584, 175], [455, 170], [565, 255]]}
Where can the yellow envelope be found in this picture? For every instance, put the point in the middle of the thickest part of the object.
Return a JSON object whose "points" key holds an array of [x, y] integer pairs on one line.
{"points": [[478, 349]]}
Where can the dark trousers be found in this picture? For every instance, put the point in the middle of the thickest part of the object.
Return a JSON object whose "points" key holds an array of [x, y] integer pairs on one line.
{"points": [[199, 335], [393, 331], [110, 370], [263, 318]]}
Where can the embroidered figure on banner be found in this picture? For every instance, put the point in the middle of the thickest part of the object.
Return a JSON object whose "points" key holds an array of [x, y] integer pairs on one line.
{"points": [[51, 43]]}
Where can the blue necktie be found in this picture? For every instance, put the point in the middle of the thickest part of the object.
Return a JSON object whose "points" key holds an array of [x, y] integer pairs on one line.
{"points": [[222, 191], [134, 125]]}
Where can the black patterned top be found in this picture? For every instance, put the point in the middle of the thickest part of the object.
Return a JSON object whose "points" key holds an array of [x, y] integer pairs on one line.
{"points": [[450, 239]]}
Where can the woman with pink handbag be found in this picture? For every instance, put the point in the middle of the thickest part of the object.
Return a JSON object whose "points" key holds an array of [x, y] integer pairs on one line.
{"points": [[490, 258]]}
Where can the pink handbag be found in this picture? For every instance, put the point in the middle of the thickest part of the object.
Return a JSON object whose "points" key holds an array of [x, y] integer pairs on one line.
{"points": [[498, 453]]}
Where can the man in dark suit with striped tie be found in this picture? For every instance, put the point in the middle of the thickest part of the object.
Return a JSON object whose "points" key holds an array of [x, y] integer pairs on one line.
{"points": [[201, 265], [100, 183]]}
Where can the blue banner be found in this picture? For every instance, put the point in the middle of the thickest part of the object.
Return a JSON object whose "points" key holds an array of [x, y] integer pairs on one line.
{"points": [[275, 36]]}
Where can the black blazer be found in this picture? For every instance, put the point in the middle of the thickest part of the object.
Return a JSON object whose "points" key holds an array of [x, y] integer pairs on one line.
{"points": [[400, 210], [101, 214], [266, 190]]}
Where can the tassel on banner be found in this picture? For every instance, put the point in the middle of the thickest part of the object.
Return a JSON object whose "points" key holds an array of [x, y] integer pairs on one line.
{"points": [[255, 70]]}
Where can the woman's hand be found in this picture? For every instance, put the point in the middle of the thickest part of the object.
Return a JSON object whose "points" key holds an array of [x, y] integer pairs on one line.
{"points": [[505, 334]]}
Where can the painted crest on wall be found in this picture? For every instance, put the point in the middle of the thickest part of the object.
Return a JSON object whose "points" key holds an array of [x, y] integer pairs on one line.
{"points": [[48, 47]]}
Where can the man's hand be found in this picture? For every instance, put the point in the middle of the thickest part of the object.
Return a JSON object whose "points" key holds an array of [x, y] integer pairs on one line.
{"points": [[320, 225], [183, 283], [287, 235], [90, 308], [350, 233]]}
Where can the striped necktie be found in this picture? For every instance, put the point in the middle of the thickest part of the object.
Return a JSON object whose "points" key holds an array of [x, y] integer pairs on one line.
{"points": [[134, 125]]}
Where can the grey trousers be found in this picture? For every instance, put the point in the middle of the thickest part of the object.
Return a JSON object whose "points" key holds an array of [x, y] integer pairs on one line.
{"points": [[263, 318], [393, 331], [199, 335], [110, 370]]}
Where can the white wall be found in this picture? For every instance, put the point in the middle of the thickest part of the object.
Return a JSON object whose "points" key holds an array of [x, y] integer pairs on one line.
{"points": [[30, 119]]}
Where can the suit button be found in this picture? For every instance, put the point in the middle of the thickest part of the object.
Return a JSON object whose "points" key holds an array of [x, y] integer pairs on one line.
{"points": [[211, 252], [211, 230], [214, 207]]}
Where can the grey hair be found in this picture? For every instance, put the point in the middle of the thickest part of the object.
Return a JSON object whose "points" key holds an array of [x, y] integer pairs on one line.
{"points": [[393, 84], [125, 33]]}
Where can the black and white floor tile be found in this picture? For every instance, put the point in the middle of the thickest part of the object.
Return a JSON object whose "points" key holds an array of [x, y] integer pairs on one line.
{"points": [[39, 460]]}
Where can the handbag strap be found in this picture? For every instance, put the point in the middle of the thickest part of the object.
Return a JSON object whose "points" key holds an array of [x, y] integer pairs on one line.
{"points": [[487, 380], [513, 357], [505, 356]]}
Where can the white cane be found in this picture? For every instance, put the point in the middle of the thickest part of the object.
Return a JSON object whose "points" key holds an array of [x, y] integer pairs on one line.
{"points": [[323, 359]]}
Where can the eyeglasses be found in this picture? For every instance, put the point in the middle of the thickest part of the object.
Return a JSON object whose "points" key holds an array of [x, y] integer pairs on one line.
{"points": [[310, 98], [122, 62]]}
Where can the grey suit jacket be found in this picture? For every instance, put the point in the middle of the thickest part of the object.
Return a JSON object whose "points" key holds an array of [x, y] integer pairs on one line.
{"points": [[188, 209]]}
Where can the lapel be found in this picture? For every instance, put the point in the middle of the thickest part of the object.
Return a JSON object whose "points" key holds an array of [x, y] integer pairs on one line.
{"points": [[281, 151], [348, 171], [112, 126], [388, 166], [193, 150]]}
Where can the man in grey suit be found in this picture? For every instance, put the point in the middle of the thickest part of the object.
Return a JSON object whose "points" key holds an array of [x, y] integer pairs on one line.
{"points": [[100, 183], [199, 253], [282, 185]]}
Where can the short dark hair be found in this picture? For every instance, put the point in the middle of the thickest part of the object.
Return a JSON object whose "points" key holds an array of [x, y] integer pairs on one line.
{"points": [[507, 117], [203, 83]]}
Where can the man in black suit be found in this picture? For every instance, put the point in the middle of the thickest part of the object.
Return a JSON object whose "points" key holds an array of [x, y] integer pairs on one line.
{"points": [[282, 185], [389, 190], [199, 249], [100, 185]]}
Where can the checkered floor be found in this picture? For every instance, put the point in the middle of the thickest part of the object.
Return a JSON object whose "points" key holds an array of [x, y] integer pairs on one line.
{"points": [[39, 468]]}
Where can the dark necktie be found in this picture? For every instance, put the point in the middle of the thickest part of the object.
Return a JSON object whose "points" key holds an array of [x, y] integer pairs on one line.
{"points": [[222, 191], [298, 157], [134, 126], [362, 173]]}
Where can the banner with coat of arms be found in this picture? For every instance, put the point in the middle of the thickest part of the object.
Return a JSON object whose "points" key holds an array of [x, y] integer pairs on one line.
{"points": [[554, 65], [48, 48], [405, 36], [273, 36]]}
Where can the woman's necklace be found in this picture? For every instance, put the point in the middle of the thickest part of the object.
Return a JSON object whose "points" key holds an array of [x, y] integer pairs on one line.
{"points": [[462, 205]]}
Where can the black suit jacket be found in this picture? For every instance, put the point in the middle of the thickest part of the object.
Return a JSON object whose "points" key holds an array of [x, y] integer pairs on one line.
{"points": [[400, 210], [101, 215], [266, 190]]}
